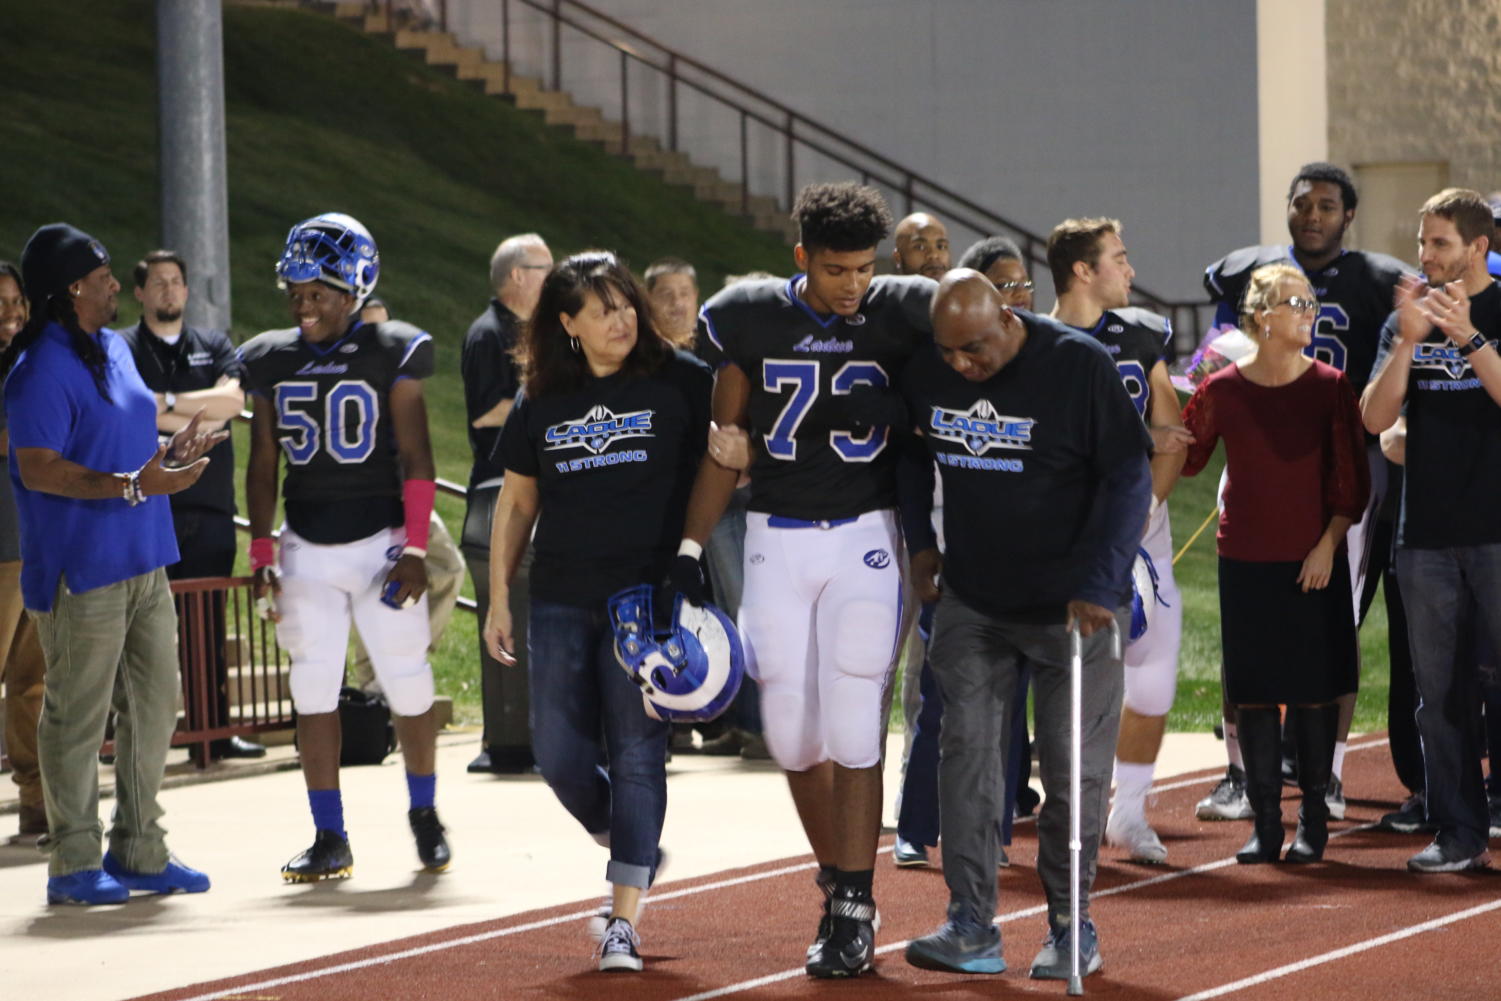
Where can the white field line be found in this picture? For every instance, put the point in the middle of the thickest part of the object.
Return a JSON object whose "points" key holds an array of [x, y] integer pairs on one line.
{"points": [[1349, 950]]}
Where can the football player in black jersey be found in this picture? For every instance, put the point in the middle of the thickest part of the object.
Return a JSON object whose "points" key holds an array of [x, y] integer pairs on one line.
{"points": [[1355, 289], [808, 368], [343, 401], [1093, 277], [922, 246]]}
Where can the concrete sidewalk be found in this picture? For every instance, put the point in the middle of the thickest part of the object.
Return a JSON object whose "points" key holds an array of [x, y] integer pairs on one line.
{"points": [[515, 849]]}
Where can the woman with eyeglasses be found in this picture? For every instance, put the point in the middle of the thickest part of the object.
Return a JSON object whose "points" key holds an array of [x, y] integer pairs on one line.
{"points": [[600, 452], [1296, 481]]}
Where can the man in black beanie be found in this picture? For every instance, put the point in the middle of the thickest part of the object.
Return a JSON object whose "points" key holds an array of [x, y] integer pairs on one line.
{"points": [[96, 531]]}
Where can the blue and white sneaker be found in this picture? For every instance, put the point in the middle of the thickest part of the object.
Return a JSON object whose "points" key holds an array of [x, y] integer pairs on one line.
{"points": [[959, 947], [909, 855], [1055, 962]]}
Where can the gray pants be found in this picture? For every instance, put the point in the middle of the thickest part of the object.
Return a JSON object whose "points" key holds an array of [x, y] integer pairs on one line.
{"points": [[975, 658], [114, 646]]}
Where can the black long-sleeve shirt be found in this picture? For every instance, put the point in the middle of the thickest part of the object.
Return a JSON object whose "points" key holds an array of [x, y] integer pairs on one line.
{"points": [[1045, 475]]}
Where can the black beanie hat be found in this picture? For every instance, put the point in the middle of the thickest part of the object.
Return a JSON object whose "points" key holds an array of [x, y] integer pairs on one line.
{"points": [[56, 256]]}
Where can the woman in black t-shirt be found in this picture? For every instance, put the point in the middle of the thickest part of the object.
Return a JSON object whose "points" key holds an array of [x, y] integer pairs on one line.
{"points": [[600, 452]]}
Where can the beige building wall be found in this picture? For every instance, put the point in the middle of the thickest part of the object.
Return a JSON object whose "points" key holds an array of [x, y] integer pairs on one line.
{"points": [[1417, 82], [1292, 110]]}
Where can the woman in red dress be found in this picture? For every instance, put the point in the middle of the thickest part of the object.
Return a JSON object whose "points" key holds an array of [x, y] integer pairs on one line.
{"points": [[1296, 481]]}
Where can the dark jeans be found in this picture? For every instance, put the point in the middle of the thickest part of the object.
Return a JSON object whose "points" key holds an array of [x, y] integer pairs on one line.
{"points": [[578, 692], [724, 555], [1402, 694], [1450, 595], [206, 546]]}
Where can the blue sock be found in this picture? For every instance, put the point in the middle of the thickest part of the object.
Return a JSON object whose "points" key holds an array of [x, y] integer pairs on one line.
{"points": [[422, 789], [328, 810]]}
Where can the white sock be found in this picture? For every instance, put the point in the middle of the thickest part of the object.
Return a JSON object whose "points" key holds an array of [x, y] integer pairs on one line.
{"points": [[1339, 760], [1232, 745], [1132, 783]]}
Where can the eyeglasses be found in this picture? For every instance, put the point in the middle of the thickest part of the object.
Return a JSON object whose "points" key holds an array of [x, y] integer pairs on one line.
{"points": [[1015, 287], [1298, 304]]}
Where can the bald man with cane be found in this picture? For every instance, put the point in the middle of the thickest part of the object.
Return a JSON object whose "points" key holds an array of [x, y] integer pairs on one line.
{"points": [[1045, 470]]}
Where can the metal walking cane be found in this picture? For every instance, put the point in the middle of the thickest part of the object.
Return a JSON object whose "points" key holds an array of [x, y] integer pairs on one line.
{"points": [[1076, 750]]}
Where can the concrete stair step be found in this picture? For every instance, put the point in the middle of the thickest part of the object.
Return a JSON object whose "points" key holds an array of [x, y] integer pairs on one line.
{"points": [[440, 48]]}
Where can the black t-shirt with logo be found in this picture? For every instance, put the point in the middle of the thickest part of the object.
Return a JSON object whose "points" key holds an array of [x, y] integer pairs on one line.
{"points": [[1453, 470], [195, 361], [1137, 340], [1023, 456], [614, 463], [333, 422], [1355, 297], [811, 461]]}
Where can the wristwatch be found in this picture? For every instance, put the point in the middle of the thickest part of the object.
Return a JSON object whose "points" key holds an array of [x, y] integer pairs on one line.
{"points": [[1475, 344], [170, 399]]}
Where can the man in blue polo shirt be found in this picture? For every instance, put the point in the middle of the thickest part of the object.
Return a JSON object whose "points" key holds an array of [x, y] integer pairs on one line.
{"points": [[1046, 486], [96, 532]]}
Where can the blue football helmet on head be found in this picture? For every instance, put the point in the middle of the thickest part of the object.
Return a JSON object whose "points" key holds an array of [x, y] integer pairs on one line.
{"points": [[691, 669], [1144, 594], [333, 248]]}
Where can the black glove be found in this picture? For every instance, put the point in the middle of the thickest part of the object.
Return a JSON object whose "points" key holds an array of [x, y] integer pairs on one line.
{"points": [[685, 576], [868, 407]]}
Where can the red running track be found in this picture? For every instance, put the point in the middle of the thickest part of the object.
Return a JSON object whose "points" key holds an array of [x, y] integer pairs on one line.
{"points": [[1357, 927]]}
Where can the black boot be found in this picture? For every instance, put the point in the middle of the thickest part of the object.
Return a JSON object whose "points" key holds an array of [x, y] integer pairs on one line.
{"points": [[1315, 728], [1260, 746]]}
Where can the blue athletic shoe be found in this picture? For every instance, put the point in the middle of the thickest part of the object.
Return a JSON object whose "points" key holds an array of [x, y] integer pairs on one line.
{"points": [[175, 878], [88, 887], [959, 947]]}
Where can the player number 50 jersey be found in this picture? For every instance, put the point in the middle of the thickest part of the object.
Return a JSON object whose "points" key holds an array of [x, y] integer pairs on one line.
{"points": [[332, 405]]}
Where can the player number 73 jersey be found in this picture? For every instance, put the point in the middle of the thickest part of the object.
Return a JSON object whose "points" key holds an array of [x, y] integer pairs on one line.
{"points": [[813, 463]]}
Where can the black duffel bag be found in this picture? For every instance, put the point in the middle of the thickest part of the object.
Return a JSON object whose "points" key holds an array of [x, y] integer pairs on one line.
{"points": [[365, 722]]}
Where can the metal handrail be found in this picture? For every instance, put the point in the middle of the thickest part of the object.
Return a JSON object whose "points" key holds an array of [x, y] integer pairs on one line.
{"points": [[799, 130]]}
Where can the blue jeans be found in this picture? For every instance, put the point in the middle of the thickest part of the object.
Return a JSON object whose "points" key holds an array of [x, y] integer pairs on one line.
{"points": [[1451, 595], [585, 710], [724, 554]]}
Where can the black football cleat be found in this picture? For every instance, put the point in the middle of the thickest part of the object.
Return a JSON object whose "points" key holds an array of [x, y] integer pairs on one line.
{"points": [[432, 847], [851, 946], [329, 858]]}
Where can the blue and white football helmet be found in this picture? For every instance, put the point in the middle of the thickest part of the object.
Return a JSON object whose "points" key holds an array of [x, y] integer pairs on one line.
{"points": [[333, 248], [1144, 594], [689, 671]]}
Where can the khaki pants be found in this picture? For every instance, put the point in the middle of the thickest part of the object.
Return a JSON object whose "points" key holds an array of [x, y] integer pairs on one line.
{"points": [[21, 668], [113, 646]]}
